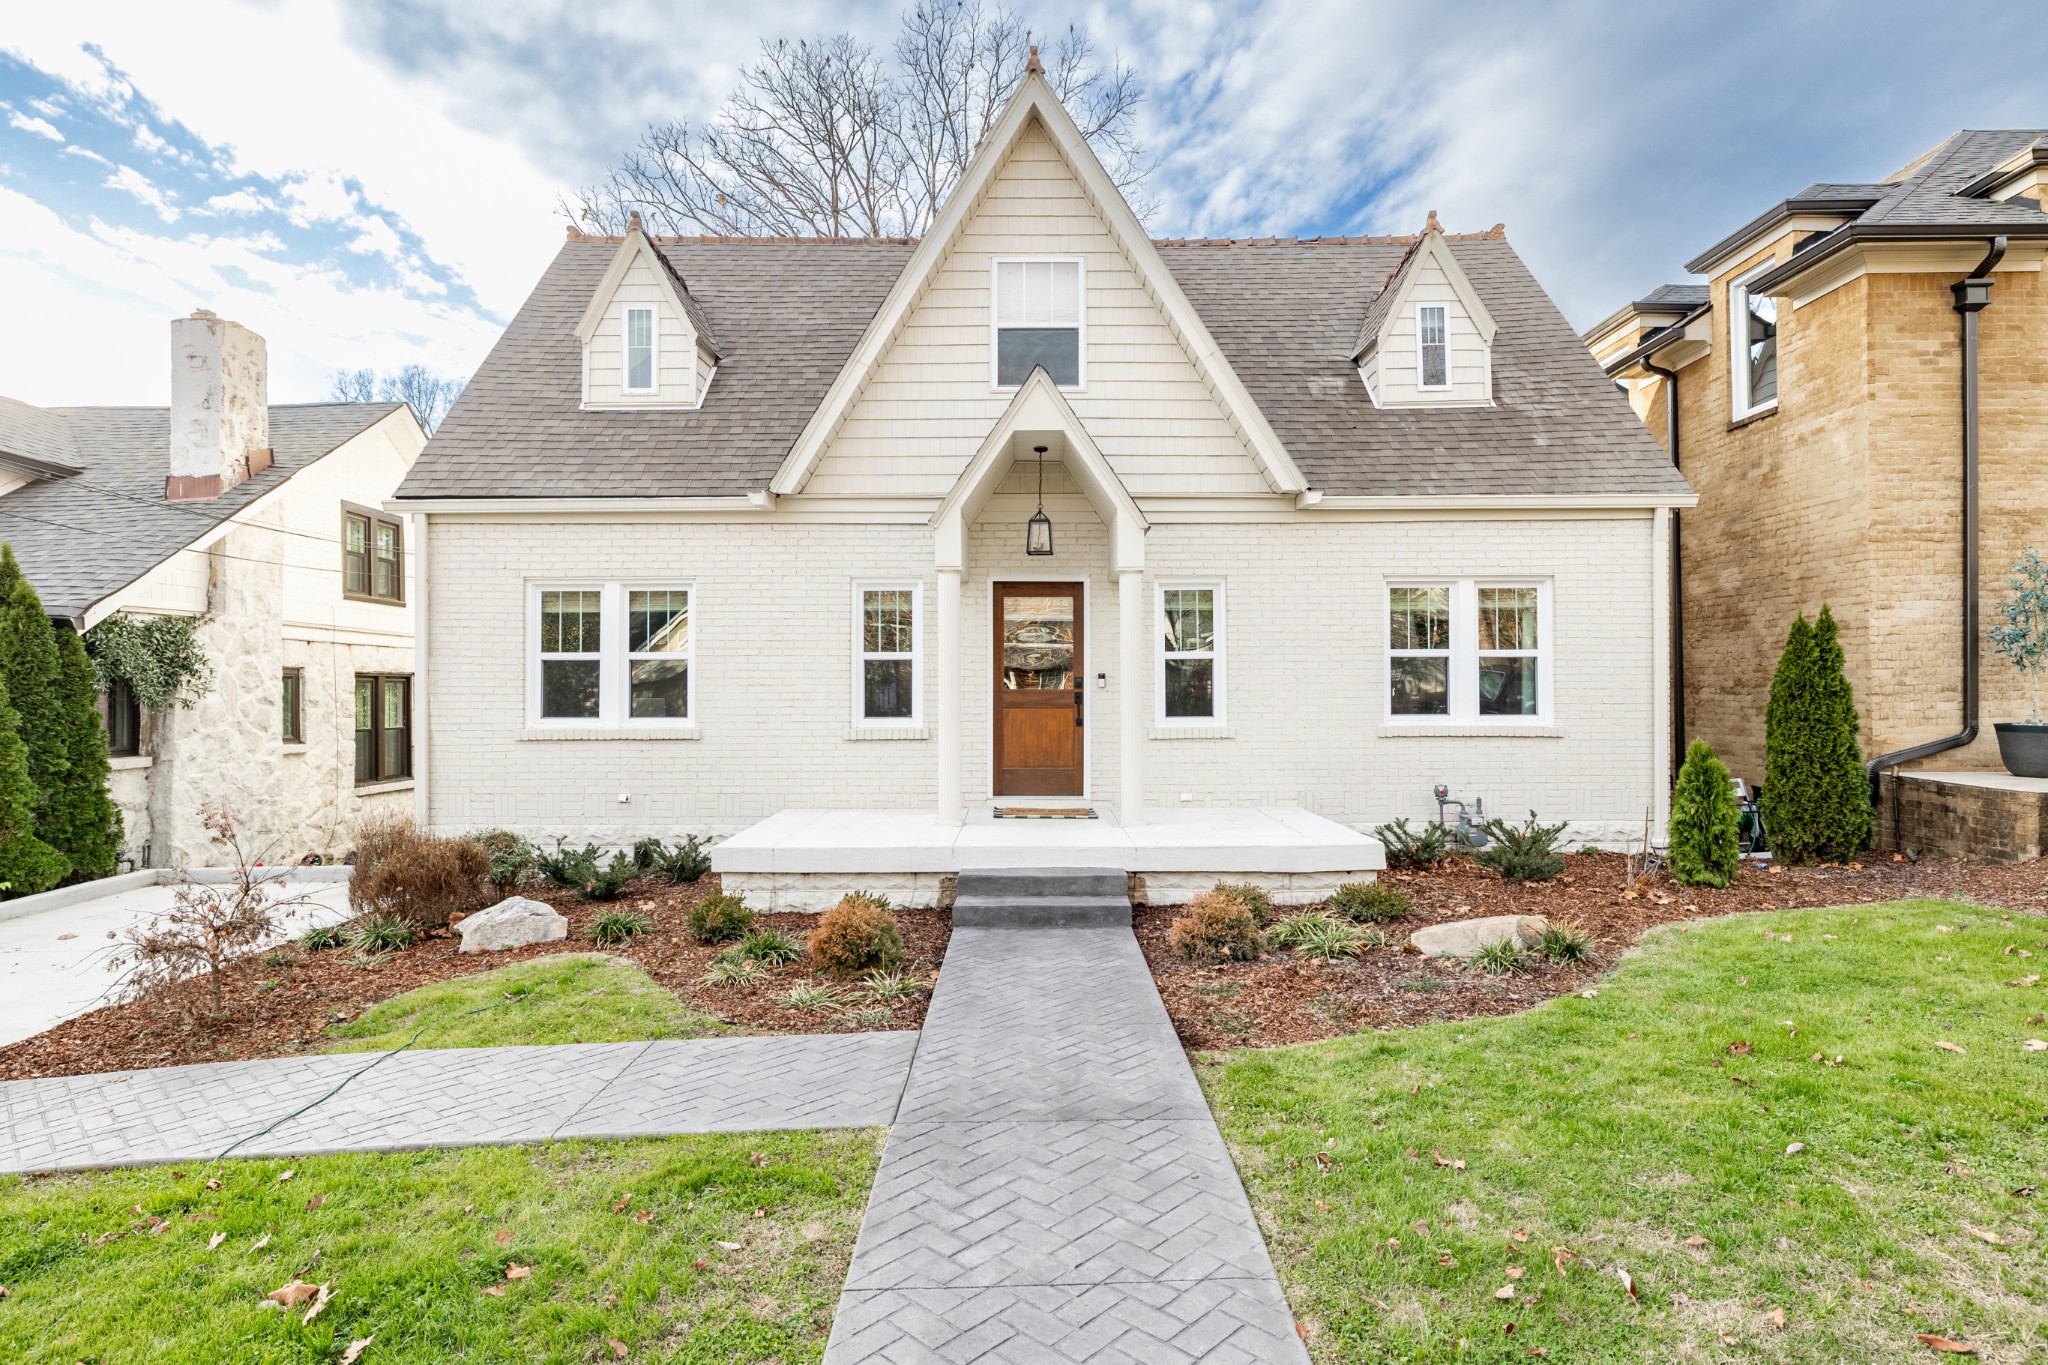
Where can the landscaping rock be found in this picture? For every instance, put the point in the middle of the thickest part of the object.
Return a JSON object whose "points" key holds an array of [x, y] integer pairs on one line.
{"points": [[1463, 938], [511, 923]]}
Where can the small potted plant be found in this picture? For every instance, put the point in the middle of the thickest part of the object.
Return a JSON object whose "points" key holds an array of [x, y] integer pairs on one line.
{"points": [[2023, 640]]}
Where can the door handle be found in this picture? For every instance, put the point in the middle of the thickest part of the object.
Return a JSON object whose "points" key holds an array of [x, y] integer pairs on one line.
{"points": [[1080, 698]]}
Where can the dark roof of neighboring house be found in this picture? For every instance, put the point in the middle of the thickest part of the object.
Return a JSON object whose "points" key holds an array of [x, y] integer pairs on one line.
{"points": [[788, 314], [1938, 191], [83, 536], [1671, 298]]}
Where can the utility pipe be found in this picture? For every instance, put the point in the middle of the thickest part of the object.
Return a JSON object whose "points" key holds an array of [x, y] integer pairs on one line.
{"points": [[1972, 296], [1670, 378]]}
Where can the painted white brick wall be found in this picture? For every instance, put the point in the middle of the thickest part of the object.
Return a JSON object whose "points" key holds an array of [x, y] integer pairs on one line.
{"points": [[1305, 604]]}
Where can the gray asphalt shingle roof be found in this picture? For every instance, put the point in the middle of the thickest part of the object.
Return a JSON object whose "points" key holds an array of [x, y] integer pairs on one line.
{"points": [[1287, 314], [35, 437], [83, 536]]}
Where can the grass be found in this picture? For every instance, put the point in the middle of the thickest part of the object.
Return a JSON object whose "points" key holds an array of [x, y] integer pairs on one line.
{"points": [[741, 1259], [562, 998], [1618, 1127]]}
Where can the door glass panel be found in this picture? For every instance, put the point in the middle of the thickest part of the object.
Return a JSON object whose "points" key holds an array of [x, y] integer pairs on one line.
{"points": [[1038, 643]]}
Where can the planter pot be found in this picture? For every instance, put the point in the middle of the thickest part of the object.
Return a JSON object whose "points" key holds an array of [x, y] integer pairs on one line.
{"points": [[2024, 748]]}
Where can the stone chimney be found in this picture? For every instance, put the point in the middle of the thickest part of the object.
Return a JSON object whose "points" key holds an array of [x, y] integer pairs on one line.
{"points": [[220, 407]]}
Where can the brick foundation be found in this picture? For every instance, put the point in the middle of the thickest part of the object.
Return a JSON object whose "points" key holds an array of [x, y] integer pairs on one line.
{"points": [[1989, 817]]}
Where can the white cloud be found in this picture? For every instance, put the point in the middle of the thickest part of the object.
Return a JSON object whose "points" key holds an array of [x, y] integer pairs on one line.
{"points": [[41, 127], [147, 139], [241, 201], [318, 197], [374, 237], [132, 182], [88, 153]]}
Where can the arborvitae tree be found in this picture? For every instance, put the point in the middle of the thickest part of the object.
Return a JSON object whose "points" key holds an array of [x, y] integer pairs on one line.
{"points": [[29, 666], [27, 864], [1706, 824], [1816, 797], [87, 824]]}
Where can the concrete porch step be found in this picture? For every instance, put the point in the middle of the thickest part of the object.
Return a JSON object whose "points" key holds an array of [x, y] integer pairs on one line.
{"points": [[1042, 898], [1045, 881]]}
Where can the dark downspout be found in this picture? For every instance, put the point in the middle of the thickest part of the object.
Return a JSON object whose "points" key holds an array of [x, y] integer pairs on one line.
{"points": [[1973, 296], [1670, 378]]}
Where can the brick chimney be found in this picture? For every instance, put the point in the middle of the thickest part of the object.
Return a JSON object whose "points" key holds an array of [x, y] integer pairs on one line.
{"points": [[220, 407]]}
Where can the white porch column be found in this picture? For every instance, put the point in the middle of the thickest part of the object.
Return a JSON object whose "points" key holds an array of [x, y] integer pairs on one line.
{"points": [[951, 810], [1132, 636]]}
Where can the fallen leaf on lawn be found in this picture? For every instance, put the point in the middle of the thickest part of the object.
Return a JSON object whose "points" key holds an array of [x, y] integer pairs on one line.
{"points": [[1697, 1241], [516, 1271], [1516, 1272], [2024, 980], [1421, 1227], [1945, 928], [1538, 1351], [1944, 1345], [729, 1246], [2034, 1045], [496, 1291], [1456, 1164], [624, 1200], [1446, 1260], [1628, 1281], [4, 1292], [315, 1202], [502, 1236], [618, 1347], [1729, 1339], [319, 1305], [1777, 1318], [1379, 1304], [1505, 1292], [286, 1176], [1562, 1258], [1740, 1048], [1323, 1161], [1946, 1046], [2037, 1018], [1984, 1236], [1519, 1235], [643, 1216], [1794, 1148], [261, 1242], [356, 1348], [216, 1240], [213, 1184], [293, 1293]]}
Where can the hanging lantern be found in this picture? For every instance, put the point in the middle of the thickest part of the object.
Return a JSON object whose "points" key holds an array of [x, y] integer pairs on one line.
{"points": [[1038, 531]]}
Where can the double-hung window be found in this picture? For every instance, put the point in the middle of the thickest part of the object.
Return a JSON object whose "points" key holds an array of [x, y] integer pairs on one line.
{"points": [[124, 720], [888, 679], [372, 556], [1468, 650], [1190, 683], [1433, 345], [639, 350], [383, 727], [1753, 330], [1038, 309], [611, 654]]}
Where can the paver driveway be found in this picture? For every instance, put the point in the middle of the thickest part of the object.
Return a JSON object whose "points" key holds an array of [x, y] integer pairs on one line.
{"points": [[1054, 1189]]}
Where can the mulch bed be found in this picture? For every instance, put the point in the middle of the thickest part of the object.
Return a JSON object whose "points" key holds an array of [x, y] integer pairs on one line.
{"points": [[1285, 998], [280, 1008]]}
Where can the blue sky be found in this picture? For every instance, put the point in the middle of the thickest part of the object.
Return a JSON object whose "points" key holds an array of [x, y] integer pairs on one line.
{"points": [[373, 183]]}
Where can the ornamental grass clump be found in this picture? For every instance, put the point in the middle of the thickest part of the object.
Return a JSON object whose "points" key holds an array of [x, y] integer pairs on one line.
{"points": [[1564, 943], [1527, 853], [1502, 957], [1704, 836], [1816, 796], [857, 935], [1216, 928], [1252, 898], [419, 878], [771, 947], [1314, 934], [719, 917], [373, 934], [615, 927], [1369, 902]]}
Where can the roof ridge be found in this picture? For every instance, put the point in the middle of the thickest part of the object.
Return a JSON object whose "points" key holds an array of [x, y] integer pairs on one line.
{"points": [[1498, 232], [671, 239]]}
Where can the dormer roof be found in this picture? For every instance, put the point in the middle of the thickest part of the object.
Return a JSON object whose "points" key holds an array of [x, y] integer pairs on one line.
{"points": [[1429, 245], [635, 245]]}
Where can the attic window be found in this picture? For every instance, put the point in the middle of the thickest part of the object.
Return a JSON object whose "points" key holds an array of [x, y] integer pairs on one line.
{"points": [[639, 350], [1433, 350], [1037, 321]]}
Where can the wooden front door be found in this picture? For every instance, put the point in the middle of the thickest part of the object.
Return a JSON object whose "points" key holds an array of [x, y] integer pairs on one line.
{"points": [[1040, 696]]}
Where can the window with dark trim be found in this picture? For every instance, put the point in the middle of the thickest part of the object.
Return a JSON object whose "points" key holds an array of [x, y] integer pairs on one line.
{"points": [[383, 727], [294, 706], [124, 720], [372, 556]]}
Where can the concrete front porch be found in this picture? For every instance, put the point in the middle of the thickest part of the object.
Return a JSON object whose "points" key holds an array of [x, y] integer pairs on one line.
{"points": [[808, 859]]}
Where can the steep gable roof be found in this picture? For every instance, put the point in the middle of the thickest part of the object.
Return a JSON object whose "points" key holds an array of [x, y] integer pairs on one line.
{"points": [[1429, 246]]}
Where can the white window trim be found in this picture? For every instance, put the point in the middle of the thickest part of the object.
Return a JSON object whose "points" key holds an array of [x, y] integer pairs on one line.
{"points": [[861, 720], [626, 348], [1218, 647], [1081, 324], [614, 674], [1739, 405], [1420, 368], [1464, 655]]}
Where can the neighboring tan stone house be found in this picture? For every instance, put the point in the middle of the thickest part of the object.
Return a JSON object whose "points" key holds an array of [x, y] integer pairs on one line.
{"points": [[264, 522], [1828, 448], [726, 527]]}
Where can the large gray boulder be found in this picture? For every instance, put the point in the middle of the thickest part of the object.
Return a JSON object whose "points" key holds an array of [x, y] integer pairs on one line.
{"points": [[1464, 937], [511, 923]]}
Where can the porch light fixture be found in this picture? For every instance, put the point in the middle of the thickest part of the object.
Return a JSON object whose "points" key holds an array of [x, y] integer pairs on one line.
{"points": [[1038, 531]]}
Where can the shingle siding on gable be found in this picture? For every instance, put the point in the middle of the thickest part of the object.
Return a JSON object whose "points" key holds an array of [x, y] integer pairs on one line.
{"points": [[675, 350], [930, 403]]}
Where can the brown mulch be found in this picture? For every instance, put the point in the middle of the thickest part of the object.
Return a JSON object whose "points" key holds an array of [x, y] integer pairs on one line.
{"points": [[1285, 998], [280, 1005]]}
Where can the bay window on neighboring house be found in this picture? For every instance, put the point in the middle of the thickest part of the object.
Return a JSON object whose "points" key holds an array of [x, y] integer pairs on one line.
{"points": [[1190, 678], [888, 674], [613, 655], [1468, 651], [1038, 322], [383, 727], [1753, 352]]}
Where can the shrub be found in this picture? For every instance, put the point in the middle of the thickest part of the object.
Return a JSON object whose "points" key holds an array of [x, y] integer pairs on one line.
{"points": [[1706, 825], [86, 825], [619, 926], [418, 877], [770, 947], [687, 862], [1525, 854], [28, 662], [1501, 957], [857, 935], [380, 934], [1816, 796], [1415, 850], [719, 917], [513, 859], [323, 936], [1369, 902], [1565, 943], [567, 867], [1317, 935], [647, 854], [605, 883], [27, 864], [2023, 637], [1216, 928], [1252, 898]]}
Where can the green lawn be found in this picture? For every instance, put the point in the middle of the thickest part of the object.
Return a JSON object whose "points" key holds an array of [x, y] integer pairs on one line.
{"points": [[741, 1260], [1619, 1127], [570, 998]]}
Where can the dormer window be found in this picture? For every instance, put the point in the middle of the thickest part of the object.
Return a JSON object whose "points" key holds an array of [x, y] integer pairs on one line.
{"points": [[1038, 321], [1753, 325], [639, 350], [1433, 347]]}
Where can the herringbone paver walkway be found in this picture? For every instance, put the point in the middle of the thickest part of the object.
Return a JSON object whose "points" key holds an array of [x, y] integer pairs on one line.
{"points": [[1054, 1189], [454, 1097]]}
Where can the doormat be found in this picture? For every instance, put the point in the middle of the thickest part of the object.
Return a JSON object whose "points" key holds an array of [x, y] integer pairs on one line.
{"points": [[1045, 813]]}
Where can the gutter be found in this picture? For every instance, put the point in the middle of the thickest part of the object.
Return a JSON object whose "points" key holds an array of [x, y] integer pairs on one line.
{"points": [[1670, 378], [1655, 342], [1972, 296], [1855, 234], [1771, 217]]}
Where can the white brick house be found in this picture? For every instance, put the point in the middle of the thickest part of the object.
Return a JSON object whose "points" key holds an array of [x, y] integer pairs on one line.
{"points": [[725, 528]]}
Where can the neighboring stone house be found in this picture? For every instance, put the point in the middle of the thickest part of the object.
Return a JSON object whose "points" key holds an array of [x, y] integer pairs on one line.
{"points": [[1828, 443], [727, 527], [264, 522]]}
